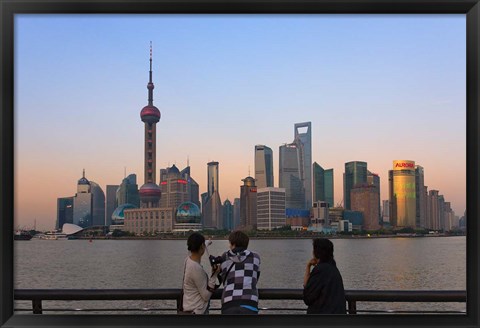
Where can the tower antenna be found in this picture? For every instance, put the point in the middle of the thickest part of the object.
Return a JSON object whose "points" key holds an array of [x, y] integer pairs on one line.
{"points": [[188, 161]]}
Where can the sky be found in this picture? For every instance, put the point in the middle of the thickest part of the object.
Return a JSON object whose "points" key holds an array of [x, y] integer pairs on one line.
{"points": [[377, 88]]}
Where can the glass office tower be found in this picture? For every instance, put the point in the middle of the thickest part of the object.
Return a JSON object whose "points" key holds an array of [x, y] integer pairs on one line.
{"points": [[355, 174], [402, 194], [263, 166]]}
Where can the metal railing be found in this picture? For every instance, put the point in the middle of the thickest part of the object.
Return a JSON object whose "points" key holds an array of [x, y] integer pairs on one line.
{"points": [[351, 297]]}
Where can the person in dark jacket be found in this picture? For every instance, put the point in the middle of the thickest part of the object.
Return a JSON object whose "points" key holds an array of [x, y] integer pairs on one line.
{"points": [[323, 290]]}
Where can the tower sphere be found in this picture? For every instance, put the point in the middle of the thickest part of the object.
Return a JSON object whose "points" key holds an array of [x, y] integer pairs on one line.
{"points": [[150, 114], [150, 192]]}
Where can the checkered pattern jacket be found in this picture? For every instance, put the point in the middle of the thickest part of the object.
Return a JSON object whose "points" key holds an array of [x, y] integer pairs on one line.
{"points": [[241, 282]]}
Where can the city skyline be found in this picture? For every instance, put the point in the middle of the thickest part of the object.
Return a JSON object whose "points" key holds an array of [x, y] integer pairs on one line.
{"points": [[104, 95]]}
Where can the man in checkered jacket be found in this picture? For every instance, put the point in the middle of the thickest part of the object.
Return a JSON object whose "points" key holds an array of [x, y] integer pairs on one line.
{"points": [[240, 271]]}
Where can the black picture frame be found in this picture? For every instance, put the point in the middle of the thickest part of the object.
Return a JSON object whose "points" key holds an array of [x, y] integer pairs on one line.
{"points": [[471, 8]]}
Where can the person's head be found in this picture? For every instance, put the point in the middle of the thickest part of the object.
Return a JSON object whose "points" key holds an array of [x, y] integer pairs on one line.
{"points": [[238, 239], [323, 249], [196, 243]]}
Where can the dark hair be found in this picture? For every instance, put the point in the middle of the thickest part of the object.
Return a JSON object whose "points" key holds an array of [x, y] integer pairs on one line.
{"points": [[239, 239], [323, 249], [195, 241]]}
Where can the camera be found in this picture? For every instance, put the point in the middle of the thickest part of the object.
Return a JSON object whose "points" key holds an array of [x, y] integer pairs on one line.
{"points": [[214, 260]]}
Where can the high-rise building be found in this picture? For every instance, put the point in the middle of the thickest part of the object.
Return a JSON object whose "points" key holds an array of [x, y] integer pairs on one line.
{"points": [[64, 211], [420, 197], [303, 137], [355, 174], [83, 203], [402, 194], [227, 215], [270, 208], [441, 211], [174, 187], [322, 184], [192, 186], [248, 204], [385, 211], [127, 192], [263, 166], [111, 203], [150, 192], [290, 176], [98, 204], [236, 213], [365, 199], [320, 218], [374, 179], [212, 210], [329, 189], [433, 211]]}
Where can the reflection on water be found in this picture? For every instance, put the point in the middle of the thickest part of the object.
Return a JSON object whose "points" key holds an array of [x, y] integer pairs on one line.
{"points": [[429, 263]]}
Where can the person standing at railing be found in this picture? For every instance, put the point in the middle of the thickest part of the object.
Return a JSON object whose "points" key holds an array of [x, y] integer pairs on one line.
{"points": [[240, 273], [197, 286], [323, 290]]}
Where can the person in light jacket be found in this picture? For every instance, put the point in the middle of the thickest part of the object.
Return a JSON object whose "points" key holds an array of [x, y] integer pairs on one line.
{"points": [[323, 290], [198, 287]]}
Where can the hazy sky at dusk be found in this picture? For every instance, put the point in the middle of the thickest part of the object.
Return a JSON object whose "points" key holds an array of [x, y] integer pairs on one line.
{"points": [[376, 88]]}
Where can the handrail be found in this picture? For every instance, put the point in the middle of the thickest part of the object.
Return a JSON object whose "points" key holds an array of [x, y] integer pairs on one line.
{"points": [[351, 296]]}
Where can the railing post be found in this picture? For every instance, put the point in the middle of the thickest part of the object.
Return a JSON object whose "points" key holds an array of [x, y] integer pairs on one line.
{"points": [[352, 307], [37, 306]]}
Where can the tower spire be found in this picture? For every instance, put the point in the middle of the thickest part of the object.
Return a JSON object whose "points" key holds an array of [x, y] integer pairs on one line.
{"points": [[150, 85], [84, 173]]}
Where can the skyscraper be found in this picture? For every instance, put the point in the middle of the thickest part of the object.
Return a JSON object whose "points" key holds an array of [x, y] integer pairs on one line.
{"points": [[402, 194], [98, 204], [150, 192], [322, 184], [355, 174], [304, 138], [420, 197], [236, 213], [248, 204], [192, 186], [374, 180], [83, 203], [212, 210], [290, 176], [110, 203], [263, 166], [227, 215], [174, 187], [365, 199], [64, 211], [270, 208], [433, 212], [127, 192]]}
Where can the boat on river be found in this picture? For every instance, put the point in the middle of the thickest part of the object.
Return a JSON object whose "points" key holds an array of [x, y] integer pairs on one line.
{"points": [[22, 235]]}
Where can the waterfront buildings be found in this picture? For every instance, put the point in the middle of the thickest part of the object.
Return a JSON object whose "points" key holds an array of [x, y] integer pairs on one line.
{"points": [[290, 175], [322, 184], [110, 203], [64, 211], [263, 166], [402, 194], [193, 189], [248, 204], [149, 218], [228, 215], [420, 197], [355, 174], [366, 199], [433, 212], [212, 210], [303, 138], [270, 208]]}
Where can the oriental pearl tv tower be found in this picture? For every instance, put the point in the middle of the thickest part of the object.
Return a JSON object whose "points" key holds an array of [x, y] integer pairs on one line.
{"points": [[150, 192]]}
